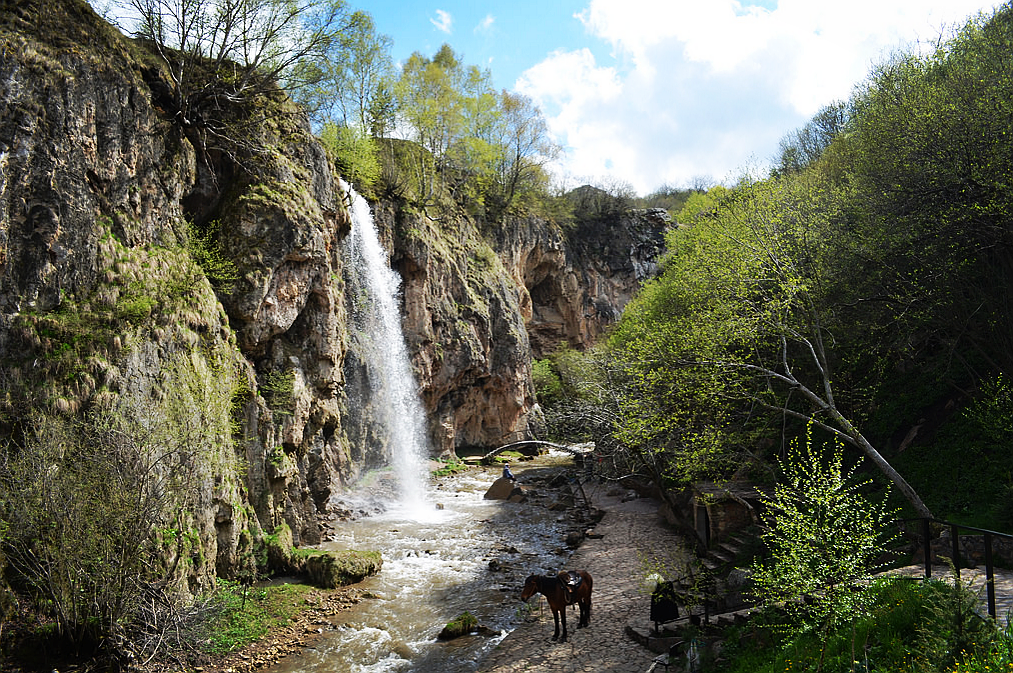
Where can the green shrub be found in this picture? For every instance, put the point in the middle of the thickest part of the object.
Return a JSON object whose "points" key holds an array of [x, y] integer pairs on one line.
{"points": [[278, 390], [910, 627], [355, 155], [206, 250], [548, 385]]}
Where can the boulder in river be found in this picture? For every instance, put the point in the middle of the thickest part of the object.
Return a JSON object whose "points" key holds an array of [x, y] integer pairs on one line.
{"points": [[462, 626], [503, 489], [337, 568]]}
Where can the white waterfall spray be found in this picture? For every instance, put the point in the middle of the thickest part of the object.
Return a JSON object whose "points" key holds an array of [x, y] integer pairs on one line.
{"points": [[378, 319]]}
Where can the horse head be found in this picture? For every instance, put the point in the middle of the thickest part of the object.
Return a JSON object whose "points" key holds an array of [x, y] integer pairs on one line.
{"points": [[530, 587]]}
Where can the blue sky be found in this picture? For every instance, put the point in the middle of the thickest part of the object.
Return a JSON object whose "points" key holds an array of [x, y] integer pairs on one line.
{"points": [[654, 92]]}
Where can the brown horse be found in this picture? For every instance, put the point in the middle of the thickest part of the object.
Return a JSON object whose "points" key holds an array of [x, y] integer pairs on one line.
{"points": [[565, 588]]}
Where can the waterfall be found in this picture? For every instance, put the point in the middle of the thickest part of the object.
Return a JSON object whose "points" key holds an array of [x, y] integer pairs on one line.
{"points": [[381, 344]]}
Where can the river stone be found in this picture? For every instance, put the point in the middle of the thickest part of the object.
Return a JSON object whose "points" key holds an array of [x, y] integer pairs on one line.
{"points": [[337, 568], [462, 626], [502, 489]]}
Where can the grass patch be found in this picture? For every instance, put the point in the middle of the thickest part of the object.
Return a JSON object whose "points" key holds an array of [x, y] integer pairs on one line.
{"points": [[912, 627], [449, 468], [247, 614], [508, 456]]}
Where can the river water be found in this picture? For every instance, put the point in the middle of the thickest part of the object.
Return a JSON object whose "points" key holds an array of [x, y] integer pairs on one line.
{"points": [[436, 565]]}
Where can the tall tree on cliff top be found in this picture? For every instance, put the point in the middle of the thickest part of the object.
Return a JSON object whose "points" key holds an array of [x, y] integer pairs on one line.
{"points": [[221, 53], [347, 85], [497, 143]]}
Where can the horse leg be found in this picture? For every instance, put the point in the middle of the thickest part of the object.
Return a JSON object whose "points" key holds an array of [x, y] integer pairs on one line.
{"points": [[562, 613], [555, 619]]}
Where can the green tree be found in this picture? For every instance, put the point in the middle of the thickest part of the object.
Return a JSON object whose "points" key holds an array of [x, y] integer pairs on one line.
{"points": [[750, 298], [824, 539], [429, 106], [527, 148], [355, 154], [927, 153], [804, 147], [217, 54], [430, 95], [489, 148], [346, 82]]}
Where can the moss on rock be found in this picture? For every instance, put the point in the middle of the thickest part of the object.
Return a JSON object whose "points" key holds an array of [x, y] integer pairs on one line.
{"points": [[337, 568], [464, 624]]}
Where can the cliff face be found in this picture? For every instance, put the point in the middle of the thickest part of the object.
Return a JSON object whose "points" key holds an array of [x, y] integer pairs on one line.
{"points": [[464, 328], [574, 282], [481, 300], [108, 218]]}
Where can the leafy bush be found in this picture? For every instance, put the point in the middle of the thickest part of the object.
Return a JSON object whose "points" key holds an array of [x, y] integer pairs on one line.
{"points": [[205, 249], [889, 637], [354, 153], [279, 390], [548, 385], [98, 537], [824, 538]]}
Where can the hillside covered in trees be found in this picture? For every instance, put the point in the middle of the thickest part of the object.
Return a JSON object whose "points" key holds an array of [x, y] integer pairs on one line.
{"points": [[862, 286]]}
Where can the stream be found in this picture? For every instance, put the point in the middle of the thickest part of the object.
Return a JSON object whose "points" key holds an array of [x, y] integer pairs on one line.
{"points": [[470, 555]]}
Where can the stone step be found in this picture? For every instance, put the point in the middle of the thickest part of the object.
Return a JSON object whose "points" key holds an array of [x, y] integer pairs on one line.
{"points": [[722, 554], [713, 564]]}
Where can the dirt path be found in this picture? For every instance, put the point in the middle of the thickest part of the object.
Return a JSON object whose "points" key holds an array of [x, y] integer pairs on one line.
{"points": [[631, 531]]}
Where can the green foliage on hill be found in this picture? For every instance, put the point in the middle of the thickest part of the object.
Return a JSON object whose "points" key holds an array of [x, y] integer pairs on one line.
{"points": [[863, 286]]}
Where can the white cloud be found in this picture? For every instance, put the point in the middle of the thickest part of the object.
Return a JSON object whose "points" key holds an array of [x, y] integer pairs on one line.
{"points": [[485, 25], [444, 22], [709, 87]]}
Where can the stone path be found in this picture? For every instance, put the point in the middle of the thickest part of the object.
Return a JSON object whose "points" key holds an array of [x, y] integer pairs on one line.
{"points": [[631, 531]]}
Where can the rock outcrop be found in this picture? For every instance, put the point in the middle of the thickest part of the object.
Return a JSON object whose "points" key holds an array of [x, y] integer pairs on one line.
{"points": [[575, 281], [102, 202]]}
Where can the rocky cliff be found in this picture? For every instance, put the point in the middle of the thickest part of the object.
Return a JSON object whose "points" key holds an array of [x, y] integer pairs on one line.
{"points": [[108, 220]]}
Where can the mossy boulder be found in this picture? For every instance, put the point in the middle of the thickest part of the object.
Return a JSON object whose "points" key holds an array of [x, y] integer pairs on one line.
{"points": [[280, 551], [337, 568], [464, 624]]}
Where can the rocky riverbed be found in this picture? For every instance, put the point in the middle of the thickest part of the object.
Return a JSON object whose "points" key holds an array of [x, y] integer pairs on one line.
{"points": [[552, 494]]}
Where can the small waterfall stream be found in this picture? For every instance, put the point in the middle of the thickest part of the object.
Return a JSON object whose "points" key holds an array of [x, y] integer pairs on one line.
{"points": [[377, 319]]}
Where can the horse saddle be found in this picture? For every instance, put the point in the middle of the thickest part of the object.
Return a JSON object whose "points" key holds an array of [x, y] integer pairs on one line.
{"points": [[570, 580]]}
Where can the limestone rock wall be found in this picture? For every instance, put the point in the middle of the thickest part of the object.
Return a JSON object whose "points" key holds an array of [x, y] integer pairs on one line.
{"points": [[99, 288], [464, 328], [575, 281], [481, 299]]}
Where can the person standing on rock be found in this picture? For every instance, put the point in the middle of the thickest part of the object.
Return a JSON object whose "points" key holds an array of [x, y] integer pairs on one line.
{"points": [[507, 474]]}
